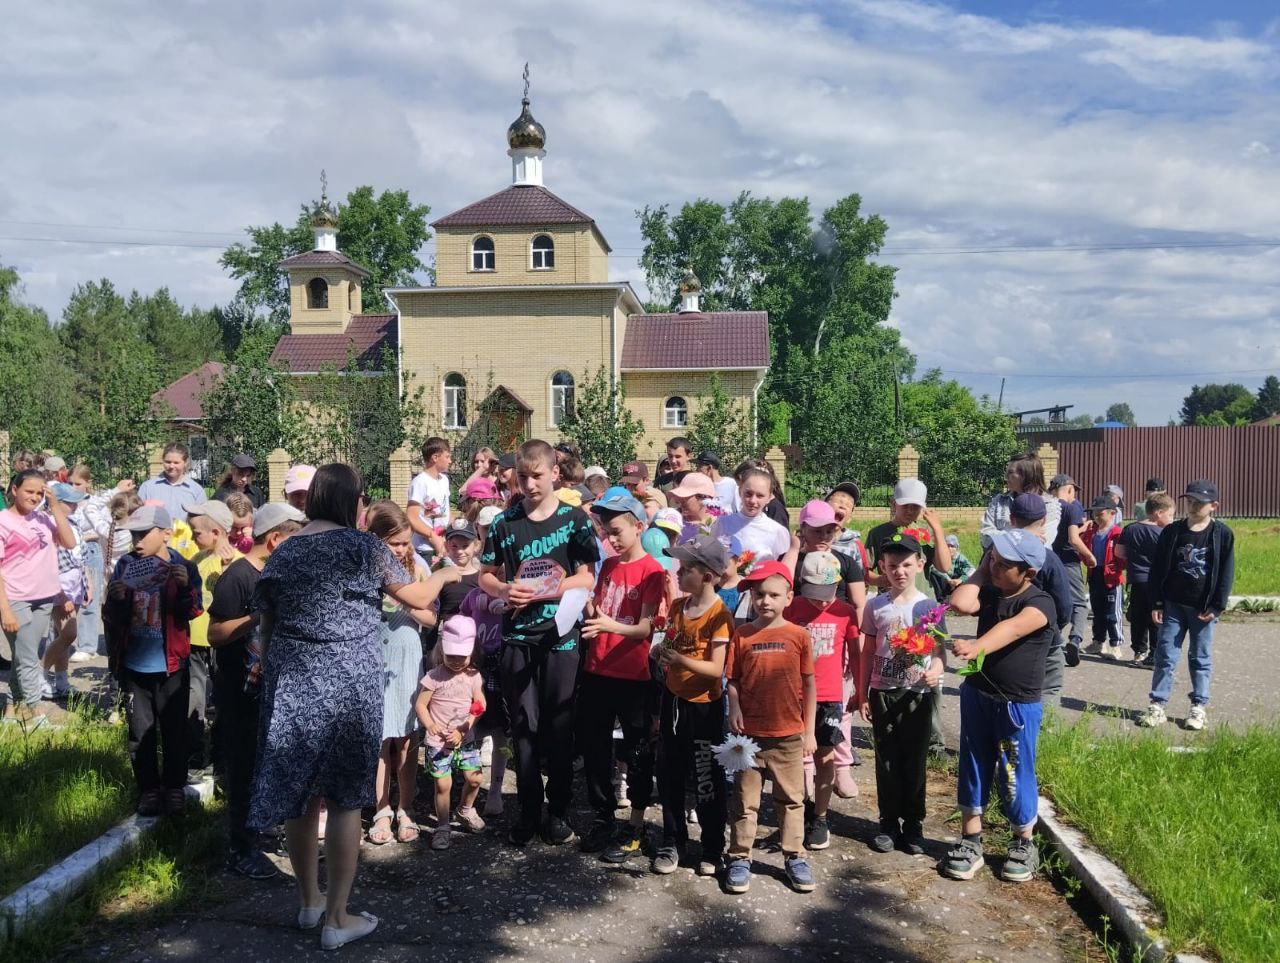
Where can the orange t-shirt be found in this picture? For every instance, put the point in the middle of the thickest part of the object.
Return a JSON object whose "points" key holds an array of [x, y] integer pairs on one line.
{"points": [[768, 666], [696, 638]]}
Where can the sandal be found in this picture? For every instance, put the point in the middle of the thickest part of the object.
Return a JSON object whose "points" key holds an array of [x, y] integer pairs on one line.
{"points": [[380, 835], [406, 829]]}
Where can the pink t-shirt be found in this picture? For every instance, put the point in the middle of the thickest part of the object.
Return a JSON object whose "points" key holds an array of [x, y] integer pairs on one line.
{"points": [[451, 696], [29, 555]]}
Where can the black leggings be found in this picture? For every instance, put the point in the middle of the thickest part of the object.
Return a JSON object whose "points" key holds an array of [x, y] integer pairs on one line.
{"points": [[900, 727], [689, 732]]}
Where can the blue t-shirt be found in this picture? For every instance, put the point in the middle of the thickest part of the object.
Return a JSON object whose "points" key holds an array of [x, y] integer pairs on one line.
{"points": [[1139, 541], [146, 577], [1072, 514], [731, 597]]}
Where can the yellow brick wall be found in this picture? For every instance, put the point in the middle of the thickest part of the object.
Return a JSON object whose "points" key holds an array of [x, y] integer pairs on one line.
{"points": [[579, 256], [648, 391], [330, 320], [517, 339]]}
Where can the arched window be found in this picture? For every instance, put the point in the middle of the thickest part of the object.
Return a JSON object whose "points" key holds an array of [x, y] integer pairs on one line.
{"points": [[561, 398], [455, 401], [544, 253], [675, 413], [482, 254], [317, 293]]}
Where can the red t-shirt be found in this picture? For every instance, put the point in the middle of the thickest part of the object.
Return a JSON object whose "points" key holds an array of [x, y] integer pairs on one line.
{"points": [[834, 631], [769, 666], [622, 591]]}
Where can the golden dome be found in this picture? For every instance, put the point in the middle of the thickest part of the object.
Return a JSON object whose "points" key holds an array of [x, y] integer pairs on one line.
{"points": [[690, 284], [324, 215], [526, 132]]}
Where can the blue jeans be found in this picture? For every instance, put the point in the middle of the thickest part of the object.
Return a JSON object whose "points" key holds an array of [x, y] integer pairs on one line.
{"points": [[1179, 620], [998, 746], [91, 613]]}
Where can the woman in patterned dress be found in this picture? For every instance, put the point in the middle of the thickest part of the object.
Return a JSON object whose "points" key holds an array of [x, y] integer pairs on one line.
{"points": [[320, 600]]}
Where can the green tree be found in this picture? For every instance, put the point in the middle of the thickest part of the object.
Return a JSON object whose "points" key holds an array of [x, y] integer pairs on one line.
{"points": [[1214, 404], [722, 424], [250, 409], [383, 234], [601, 424], [1268, 402], [964, 442], [182, 339], [1121, 412]]}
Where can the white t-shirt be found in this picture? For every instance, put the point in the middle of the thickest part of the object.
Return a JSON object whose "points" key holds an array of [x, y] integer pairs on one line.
{"points": [[761, 534], [727, 496], [892, 668], [433, 495]]}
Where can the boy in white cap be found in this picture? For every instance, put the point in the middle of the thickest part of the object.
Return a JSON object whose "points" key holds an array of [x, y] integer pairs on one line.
{"points": [[449, 701]]}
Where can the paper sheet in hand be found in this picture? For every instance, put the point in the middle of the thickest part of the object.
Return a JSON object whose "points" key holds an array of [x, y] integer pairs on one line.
{"points": [[571, 605]]}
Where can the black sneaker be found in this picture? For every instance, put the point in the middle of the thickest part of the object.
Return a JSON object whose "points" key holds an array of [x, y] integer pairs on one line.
{"points": [[150, 803], [630, 842], [1138, 656], [557, 831], [667, 860], [521, 834], [911, 841], [884, 842], [1150, 660], [1071, 652], [251, 865], [598, 836], [817, 836]]}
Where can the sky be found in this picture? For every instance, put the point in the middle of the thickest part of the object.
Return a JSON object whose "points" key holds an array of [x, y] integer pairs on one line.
{"points": [[1083, 197]]}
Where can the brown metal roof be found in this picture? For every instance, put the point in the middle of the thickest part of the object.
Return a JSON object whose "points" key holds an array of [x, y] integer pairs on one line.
{"points": [[367, 335], [719, 339], [515, 398], [181, 399], [530, 204], [322, 259]]}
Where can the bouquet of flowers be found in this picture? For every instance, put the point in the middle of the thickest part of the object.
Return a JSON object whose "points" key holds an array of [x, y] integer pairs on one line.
{"points": [[921, 533], [919, 639], [746, 562], [737, 753]]}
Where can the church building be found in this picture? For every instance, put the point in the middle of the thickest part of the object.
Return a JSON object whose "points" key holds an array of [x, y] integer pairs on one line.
{"points": [[522, 312]]}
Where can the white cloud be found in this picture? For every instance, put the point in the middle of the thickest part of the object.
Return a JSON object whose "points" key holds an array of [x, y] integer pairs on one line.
{"points": [[962, 131]]}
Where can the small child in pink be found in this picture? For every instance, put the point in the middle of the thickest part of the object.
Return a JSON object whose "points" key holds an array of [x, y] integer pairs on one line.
{"points": [[450, 699]]}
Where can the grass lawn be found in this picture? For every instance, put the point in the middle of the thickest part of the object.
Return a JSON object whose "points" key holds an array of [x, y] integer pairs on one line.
{"points": [[1196, 831], [59, 790]]}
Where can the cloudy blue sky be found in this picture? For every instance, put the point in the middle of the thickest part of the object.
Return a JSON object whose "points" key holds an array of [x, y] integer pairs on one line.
{"points": [[1128, 152]]}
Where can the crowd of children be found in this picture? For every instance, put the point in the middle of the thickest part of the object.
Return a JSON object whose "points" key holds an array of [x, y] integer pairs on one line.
{"points": [[636, 626]]}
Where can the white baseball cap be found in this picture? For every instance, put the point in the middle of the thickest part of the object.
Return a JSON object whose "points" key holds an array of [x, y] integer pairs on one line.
{"points": [[910, 491]]}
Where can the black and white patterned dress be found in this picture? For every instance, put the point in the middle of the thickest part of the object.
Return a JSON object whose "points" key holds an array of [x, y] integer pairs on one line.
{"points": [[321, 725]]}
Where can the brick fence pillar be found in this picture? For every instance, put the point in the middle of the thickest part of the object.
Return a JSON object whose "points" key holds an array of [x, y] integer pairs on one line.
{"points": [[908, 462], [155, 461], [778, 462], [1048, 456], [400, 465], [277, 468]]}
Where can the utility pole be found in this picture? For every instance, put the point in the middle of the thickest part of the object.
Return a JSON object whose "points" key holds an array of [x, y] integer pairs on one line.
{"points": [[1000, 400]]}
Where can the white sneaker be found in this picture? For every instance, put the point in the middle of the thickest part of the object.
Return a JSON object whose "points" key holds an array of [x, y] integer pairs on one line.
{"points": [[1154, 716], [620, 798], [46, 689], [80, 655], [486, 752], [1094, 648], [691, 817], [1196, 718], [1111, 652]]}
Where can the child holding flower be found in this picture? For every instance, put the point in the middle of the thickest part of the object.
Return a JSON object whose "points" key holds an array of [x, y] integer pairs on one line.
{"points": [[902, 659]]}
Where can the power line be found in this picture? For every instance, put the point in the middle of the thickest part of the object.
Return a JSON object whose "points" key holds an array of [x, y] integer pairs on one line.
{"points": [[1114, 376], [116, 227]]}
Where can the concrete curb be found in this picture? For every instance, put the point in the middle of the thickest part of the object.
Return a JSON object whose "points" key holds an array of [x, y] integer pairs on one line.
{"points": [[46, 893], [1128, 908]]}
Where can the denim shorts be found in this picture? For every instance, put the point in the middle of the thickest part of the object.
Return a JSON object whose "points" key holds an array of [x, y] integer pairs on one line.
{"points": [[444, 761], [826, 724], [998, 747]]}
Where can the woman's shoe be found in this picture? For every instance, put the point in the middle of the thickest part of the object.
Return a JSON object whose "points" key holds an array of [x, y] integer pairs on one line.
{"points": [[381, 835], [332, 937], [407, 831], [309, 917]]}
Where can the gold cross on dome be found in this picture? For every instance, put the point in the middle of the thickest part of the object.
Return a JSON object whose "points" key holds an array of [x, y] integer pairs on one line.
{"points": [[526, 80]]}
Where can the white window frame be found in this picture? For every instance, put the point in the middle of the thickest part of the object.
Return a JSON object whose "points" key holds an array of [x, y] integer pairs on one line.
{"points": [[491, 255], [675, 415], [562, 398], [453, 402], [547, 254]]}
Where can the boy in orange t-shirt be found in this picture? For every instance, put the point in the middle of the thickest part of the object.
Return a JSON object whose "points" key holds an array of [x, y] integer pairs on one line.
{"points": [[772, 699]]}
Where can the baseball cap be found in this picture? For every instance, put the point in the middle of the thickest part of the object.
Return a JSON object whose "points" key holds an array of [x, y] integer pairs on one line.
{"points": [[669, 520], [458, 635], [695, 483], [570, 497], [214, 510], [507, 461], [594, 471], [487, 515], [1103, 503], [850, 488], [705, 550], [298, 478], [622, 504], [1060, 479], [708, 458], [274, 514], [460, 526], [54, 463], [635, 471], [613, 491], [1016, 545], [1114, 490], [67, 493], [819, 576], [911, 491], [1155, 484], [899, 540], [766, 570], [817, 514], [1201, 490], [243, 461], [654, 495], [1028, 506], [480, 487], [146, 518]]}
